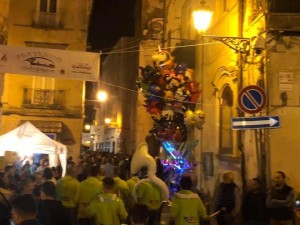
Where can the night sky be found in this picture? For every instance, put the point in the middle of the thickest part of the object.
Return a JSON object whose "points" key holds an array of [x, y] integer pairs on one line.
{"points": [[110, 20]]}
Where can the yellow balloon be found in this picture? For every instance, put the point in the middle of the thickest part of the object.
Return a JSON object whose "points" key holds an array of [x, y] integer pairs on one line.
{"points": [[188, 117], [199, 119]]}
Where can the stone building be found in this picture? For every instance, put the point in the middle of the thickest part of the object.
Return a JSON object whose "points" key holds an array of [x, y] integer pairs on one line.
{"points": [[249, 42], [52, 104]]}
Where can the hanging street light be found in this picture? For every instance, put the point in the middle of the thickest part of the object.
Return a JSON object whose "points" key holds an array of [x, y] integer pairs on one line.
{"points": [[202, 17]]}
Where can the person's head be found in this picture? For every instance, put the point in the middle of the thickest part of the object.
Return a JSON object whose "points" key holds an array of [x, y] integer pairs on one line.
{"points": [[58, 172], [13, 170], [23, 208], [71, 171], [228, 177], [108, 184], [47, 173], [38, 178], [10, 169], [7, 169], [48, 190], [279, 179], [26, 186], [94, 171], [254, 184], [44, 163], [186, 183]]}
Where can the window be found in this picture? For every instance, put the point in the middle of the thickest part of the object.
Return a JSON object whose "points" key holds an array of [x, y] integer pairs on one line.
{"points": [[107, 146], [225, 121], [48, 6]]}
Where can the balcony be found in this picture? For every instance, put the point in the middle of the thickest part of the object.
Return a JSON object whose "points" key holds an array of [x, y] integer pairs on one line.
{"points": [[47, 20], [44, 99]]}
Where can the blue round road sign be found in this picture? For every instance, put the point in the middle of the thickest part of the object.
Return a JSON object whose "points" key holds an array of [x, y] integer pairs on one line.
{"points": [[252, 99]]}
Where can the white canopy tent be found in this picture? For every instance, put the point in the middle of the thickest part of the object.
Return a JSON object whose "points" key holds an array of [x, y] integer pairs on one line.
{"points": [[27, 140]]}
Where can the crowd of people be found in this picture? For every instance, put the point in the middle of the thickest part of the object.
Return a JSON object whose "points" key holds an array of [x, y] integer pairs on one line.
{"points": [[99, 190]]}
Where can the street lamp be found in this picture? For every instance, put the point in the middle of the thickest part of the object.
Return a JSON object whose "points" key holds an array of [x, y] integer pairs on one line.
{"points": [[102, 96], [202, 17]]}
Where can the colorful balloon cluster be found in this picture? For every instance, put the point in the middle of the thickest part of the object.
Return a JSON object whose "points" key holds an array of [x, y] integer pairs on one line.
{"points": [[167, 83], [169, 128]]}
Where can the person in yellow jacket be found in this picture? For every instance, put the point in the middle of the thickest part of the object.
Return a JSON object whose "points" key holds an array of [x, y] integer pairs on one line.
{"points": [[107, 208], [131, 184], [67, 189], [187, 208], [149, 194], [89, 189], [120, 186]]}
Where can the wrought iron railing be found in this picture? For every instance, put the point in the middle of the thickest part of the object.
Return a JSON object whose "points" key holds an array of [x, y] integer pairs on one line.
{"points": [[44, 98]]}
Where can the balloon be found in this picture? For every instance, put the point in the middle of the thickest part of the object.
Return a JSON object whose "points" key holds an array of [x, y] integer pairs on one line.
{"points": [[169, 96], [195, 96], [196, 118], [180, 68], [189, 115], [172, 84], [149, 74], [142, 158], [189, 75], [193, 86], [154, 89], [199, 119], [163, 59], [177, 136]]}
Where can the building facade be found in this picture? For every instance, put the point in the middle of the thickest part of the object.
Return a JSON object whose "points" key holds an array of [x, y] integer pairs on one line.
{"points": [[116, 117], [54, 105], [249, 42]]}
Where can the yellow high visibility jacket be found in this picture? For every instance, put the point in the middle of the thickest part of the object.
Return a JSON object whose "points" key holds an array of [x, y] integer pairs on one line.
{"points": [[187, 208], [107, 209], [67, 189], [88, 191], [149, 194]]}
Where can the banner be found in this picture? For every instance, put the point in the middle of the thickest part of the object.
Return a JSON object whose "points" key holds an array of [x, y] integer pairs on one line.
{"points": [[45, 62]]}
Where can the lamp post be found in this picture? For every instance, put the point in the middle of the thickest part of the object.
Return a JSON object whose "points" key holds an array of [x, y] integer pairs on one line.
{"points": [[202, 17]]}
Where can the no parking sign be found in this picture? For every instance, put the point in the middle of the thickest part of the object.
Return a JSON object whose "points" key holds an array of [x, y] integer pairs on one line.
{"points": [[252, 99]]}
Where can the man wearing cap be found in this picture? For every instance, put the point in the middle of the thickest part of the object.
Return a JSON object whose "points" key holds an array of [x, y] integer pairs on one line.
{"points": [[24, 210], [107, 208], [187, 207]]}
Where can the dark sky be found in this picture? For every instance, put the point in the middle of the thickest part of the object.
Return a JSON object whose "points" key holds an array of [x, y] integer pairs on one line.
{"points": [[110, 20]]}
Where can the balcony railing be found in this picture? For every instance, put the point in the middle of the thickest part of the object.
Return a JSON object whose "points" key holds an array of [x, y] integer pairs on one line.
{"points": [[47, 20], [44, 98]]}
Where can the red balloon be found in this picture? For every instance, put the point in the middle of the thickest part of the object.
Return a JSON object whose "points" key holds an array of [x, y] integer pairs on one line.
{"points": [[195, 96], [193, 86]]}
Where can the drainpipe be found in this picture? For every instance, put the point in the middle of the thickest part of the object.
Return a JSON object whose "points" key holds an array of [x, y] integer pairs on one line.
{"points": [[241, 6]]}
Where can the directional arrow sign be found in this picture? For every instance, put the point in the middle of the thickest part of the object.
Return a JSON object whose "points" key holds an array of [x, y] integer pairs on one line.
{"points": [[241, 123]]}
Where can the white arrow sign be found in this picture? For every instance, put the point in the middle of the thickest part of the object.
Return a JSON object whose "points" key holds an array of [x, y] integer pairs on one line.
{"points": [[255, 122]]}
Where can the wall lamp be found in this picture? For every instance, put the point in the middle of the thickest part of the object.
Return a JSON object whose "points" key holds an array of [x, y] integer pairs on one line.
{"points": [[202, 17]]}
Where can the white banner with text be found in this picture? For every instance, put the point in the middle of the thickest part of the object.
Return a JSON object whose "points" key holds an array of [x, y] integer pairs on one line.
{"points": [[64, 64]]}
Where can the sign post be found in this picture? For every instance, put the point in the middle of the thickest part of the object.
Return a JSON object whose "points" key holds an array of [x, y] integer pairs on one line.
{"points": [[242, 123], [252, 99]]}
